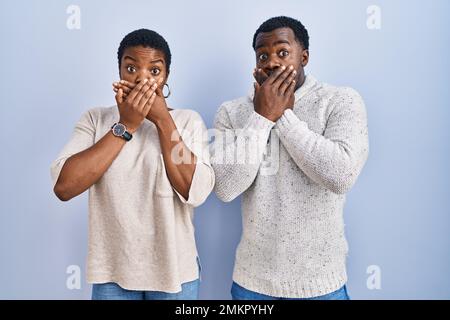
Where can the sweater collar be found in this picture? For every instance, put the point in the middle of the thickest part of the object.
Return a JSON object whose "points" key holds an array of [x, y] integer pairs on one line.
{"points": [[309, 82]]}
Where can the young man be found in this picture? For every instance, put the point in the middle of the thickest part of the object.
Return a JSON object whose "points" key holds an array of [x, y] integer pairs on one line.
{"points": [[315, 139]]}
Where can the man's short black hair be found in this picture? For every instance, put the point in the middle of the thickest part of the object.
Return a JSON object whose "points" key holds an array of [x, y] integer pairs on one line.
{"points": [[148, 39], [300, 32]]}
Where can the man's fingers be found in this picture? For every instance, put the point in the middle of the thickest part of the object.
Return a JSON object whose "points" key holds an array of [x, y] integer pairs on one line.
{"points": [[274, 76], [290, 89], [256, 76], [282, 78], [260, 76], [256, 85], [287, 82]]}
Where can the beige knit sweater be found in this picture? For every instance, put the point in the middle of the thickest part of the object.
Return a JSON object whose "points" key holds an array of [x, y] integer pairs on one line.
{"points": [[293, 175], [141, 233]]}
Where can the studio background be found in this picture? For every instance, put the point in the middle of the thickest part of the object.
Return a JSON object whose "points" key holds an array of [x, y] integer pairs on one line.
{"points": [[397, 214]]}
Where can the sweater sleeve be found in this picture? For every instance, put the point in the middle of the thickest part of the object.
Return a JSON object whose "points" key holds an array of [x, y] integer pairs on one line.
{"points": [[334, 159], [196, 139], [237, 153], [83, 137]]}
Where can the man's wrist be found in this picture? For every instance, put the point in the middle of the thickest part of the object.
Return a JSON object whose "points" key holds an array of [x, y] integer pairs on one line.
{"points": [[272, 117]]}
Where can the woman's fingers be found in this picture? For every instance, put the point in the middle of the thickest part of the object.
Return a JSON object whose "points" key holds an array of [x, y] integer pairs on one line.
{"points": [[126, 84], [119, 96], [137, 89], [145, 98], [140, 96], [149, 104]]}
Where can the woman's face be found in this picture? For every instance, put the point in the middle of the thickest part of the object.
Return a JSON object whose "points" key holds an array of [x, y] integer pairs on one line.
{"points": [[139, 63]]}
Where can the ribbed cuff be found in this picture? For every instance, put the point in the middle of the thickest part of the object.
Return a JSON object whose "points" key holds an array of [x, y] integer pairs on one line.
{"points": [[289, 121], [258, 122]]}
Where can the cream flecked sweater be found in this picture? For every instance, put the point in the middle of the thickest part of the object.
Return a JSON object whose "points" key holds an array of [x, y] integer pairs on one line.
{"points": [[141, 234], [293, 242]]}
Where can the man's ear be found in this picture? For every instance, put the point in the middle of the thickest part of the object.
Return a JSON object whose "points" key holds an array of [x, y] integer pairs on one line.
{"points": [[305, 57]]}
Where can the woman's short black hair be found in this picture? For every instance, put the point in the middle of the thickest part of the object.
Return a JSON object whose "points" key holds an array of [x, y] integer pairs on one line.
{"points": [[301, 34], [146, 38]]}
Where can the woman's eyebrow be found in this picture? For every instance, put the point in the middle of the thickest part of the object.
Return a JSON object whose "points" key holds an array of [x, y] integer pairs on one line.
{"points": [[158, 60], [129, 57]]}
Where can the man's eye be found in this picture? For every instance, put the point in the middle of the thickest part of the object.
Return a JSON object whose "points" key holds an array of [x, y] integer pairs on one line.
{"points": [[262, 56], [156, 71], [131, 69], [284, 53]]}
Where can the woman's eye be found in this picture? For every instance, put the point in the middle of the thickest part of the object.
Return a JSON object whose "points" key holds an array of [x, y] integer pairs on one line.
{"points": [[155, 71], [262, 56], [284, 53], [131, 69]]}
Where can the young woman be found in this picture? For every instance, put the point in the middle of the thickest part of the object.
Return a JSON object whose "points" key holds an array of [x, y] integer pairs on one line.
{"points": [[146, 167]]}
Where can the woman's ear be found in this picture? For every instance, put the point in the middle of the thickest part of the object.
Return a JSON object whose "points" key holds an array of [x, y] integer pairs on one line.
{"points": [[167, 77]]}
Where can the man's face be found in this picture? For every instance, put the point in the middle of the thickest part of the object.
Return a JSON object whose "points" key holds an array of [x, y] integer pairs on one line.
{"points": [[280, 48], [139, 63]]}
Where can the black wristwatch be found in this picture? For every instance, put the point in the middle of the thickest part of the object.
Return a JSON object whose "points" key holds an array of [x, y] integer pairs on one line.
{"points": [[119, 130]]}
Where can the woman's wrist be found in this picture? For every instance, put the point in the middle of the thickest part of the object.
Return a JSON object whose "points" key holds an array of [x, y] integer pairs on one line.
{"points": [[163, 120]]}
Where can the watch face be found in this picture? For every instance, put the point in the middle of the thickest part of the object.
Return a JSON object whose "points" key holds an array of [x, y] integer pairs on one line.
{"points": [[119, 129]]}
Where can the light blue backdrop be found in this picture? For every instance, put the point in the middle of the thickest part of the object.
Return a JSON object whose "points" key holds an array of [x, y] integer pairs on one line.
{"points": [[397, 214]]}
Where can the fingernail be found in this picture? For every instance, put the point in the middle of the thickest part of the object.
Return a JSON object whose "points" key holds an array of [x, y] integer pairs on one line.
{"points": [[152, 80], [283, 67], [294, 72], [291, 67]]}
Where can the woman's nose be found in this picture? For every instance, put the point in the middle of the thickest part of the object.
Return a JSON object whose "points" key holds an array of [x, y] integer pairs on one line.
{"points": [[141, 76]]}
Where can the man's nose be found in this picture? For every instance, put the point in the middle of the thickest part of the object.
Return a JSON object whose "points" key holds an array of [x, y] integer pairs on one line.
{"points": [[272, 64]]}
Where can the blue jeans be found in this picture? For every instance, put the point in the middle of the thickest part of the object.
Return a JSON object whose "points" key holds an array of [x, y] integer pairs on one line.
{"points": [[112, 291], [240, 293]]}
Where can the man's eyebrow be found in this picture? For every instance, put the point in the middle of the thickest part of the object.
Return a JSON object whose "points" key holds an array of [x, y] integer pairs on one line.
{"points": [[275, 43], [281, 41]]}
